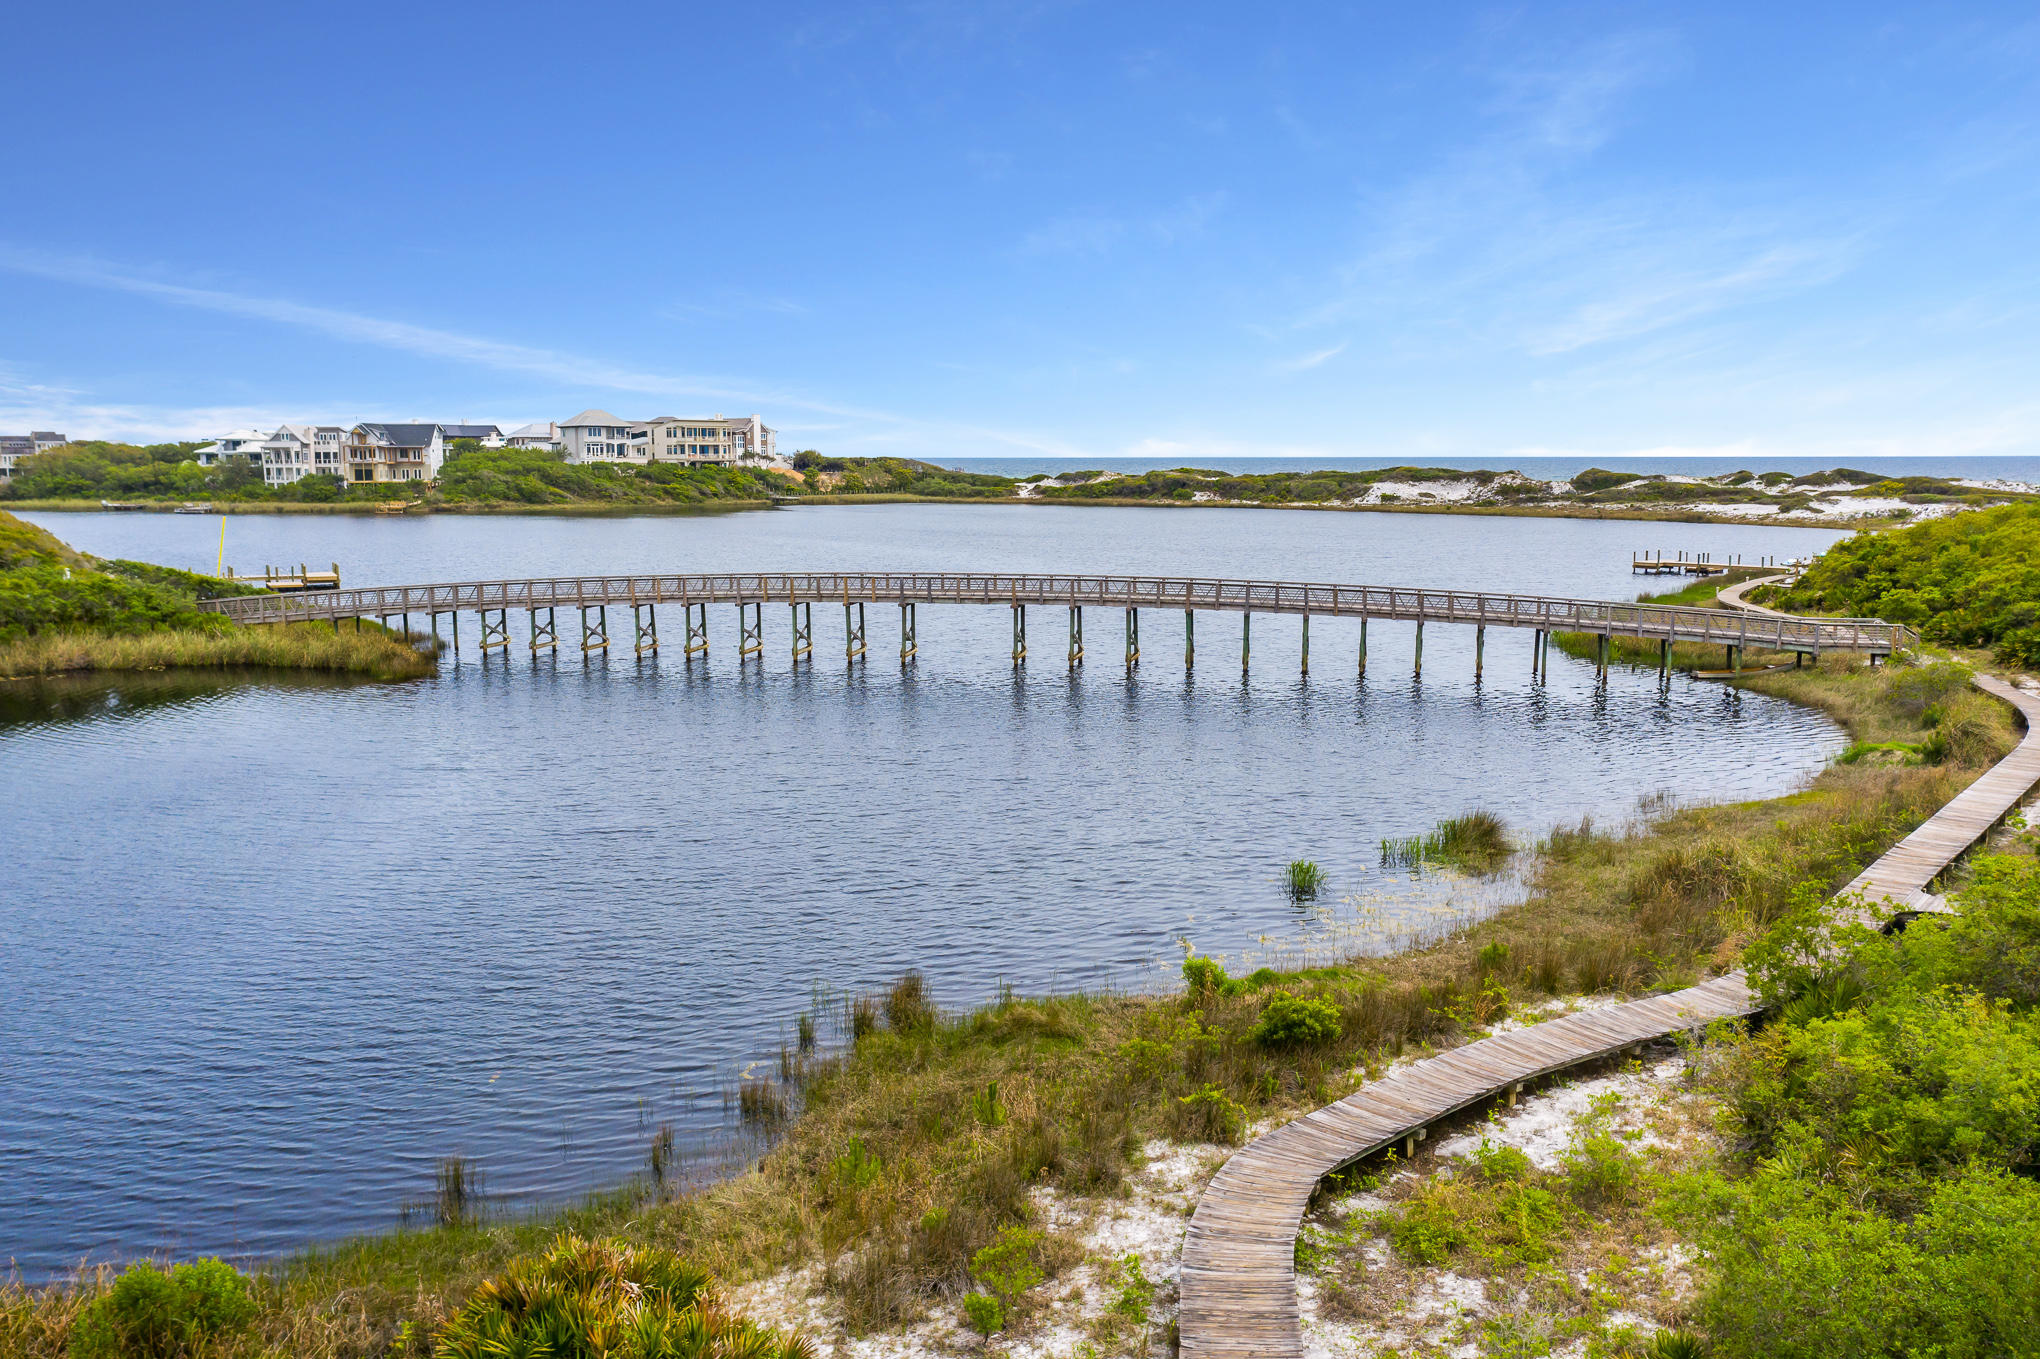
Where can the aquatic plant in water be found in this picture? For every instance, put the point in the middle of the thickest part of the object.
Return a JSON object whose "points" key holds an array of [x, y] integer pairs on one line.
{"points": [[1303, 879], [1475, 843]]}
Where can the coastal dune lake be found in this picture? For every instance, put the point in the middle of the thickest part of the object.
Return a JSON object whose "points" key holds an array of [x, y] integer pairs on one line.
{"points": [[271, 949]]}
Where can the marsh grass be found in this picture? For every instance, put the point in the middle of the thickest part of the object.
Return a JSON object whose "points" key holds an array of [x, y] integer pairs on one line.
{"points": [[1303, 879], [372, 652], [1475, 843], [891, 1180]]}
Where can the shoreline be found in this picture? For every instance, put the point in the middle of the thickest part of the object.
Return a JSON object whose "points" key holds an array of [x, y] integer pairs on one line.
{"points": [[1643, 513]]}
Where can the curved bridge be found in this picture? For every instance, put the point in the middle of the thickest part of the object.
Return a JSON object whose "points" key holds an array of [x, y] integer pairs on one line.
{"points": [[1238, 1286], [1541, 612]]}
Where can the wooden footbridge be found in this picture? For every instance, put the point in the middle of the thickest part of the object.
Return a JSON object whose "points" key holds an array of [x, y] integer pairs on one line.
{"points": [[1238, 1291], [750, 592]]}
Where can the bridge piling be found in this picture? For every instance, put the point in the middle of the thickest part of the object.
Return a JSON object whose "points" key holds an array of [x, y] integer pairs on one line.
{"points": [[1418, 673], [1076, 635], [453, 613], [1132, 639], [1306, 644], [909, 648], [645, 624], [1019, 634], [1246, 638], [493, 635], [1479, 648], [803, 630], [750, 630], [1664, 658], [853, 634], [1601, 655], [544, 636], [1363, 644], [697, 630], [1189, 639], [595, 637]]}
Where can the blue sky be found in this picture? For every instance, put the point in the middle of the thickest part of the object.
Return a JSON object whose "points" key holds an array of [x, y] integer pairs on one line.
{"points": [[1008, 229]]}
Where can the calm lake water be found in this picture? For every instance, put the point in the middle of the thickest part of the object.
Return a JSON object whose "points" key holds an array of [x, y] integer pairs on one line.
{"points": [[271, 949]]}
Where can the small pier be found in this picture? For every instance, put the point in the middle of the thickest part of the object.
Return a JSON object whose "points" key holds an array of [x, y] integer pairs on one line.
{"points": [[1694, 564], [283, 580]]}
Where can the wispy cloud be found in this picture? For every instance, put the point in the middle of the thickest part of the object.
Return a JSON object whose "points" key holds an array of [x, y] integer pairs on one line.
{"points": [[1316, 358], [1098, 233], [565, 369]]}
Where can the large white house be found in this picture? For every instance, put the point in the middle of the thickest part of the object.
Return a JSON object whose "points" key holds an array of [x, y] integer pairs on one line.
{"points": [[598, 436], [298, 451], [242, 443], [14, 447]]}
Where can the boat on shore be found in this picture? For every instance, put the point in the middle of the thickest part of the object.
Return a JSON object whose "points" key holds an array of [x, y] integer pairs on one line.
{"points": [[194, 507], [122, 505]]}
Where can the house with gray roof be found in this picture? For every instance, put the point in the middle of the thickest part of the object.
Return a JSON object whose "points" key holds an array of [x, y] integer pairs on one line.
{"points": [[379, 452]]}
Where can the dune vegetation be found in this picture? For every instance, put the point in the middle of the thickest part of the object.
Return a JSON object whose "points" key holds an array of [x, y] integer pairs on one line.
{"points": [[62, 612]]}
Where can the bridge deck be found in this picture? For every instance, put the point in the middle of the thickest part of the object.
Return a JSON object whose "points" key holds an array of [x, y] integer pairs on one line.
{"points": [[1549, 613], [1239, 1277]]}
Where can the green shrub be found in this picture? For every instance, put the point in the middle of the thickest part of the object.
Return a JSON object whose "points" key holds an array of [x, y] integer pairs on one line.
{"points": [[985, 1314], [1207, 1115], [602, 1298], [1009, 1266], [1428, 1229], [1204, 976], [148, 1314], [1292, 1021]]}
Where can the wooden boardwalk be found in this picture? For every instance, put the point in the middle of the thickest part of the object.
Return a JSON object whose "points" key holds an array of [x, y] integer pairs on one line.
{"points": [[1480, 609], [1239, 1277]]}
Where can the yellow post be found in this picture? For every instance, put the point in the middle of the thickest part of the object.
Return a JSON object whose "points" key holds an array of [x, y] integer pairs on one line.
{"points": [[221, 569]]}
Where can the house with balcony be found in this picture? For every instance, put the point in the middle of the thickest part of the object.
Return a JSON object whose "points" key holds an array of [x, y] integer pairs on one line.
{"points": [[597, 436], [298, 451], [379, 452], [244, 444]]}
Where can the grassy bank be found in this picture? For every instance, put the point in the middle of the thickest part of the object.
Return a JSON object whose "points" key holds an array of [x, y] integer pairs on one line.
{"points": [[62, 611], [925, 1141]]}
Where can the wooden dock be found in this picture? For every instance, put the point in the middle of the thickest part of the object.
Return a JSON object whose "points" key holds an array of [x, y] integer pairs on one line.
{"points": [[1239, 1277]]}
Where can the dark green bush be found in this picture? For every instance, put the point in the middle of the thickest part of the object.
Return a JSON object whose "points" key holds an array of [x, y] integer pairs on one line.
{"points": [[1292, 1021], [148, 1314]]}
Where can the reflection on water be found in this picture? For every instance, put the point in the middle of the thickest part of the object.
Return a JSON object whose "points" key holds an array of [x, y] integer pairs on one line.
{"points": [[272, 949]]}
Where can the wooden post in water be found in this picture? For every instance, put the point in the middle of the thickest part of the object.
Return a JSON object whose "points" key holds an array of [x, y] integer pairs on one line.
{"points": [[909, 648], [803, 617], [1601, 655], [1076, 635], [1419, 671], [1363, 644], [1246, 638], [545, 636], [456, 632], [645, 623], [1132, 639], [595, 636], [697, 633], [1664, 658], [1479, 647], [1189, 639], [1536, 645], [750, 630], [1306, 644], [853, 633], [1019, 634]]}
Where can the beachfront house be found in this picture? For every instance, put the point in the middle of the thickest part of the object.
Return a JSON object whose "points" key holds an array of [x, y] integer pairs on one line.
{"points": [[488, 436], [298, 451], [392, 452], [714, 441], [244, 444], [546, 435], [596, 436]]}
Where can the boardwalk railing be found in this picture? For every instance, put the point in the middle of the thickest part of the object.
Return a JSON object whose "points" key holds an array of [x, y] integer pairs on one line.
{"points": [[1546, 613], [1239, 1276]]}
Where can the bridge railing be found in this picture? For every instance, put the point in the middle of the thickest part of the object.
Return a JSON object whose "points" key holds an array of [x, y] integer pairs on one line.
{"points": [[1556, 614]]}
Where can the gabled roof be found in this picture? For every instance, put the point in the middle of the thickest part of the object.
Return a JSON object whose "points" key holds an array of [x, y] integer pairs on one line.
{"points": [[593, 417], [44, 435], [547, 430], [401, 436], [472, 431]]}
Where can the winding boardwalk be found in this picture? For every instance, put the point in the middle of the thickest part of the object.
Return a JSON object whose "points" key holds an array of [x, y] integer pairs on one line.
{"points": [[1239, 1277], [1479, 609]]}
